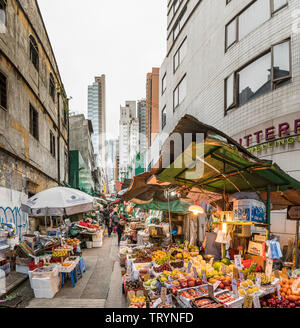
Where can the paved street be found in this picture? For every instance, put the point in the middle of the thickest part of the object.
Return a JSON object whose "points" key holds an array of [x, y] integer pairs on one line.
{"points": [[100, 286]]}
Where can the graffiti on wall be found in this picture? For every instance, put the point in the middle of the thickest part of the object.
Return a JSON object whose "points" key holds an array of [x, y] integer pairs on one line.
{"points": [[17, 217]]}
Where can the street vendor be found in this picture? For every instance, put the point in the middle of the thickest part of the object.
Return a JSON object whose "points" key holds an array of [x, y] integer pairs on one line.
{"points": [[210, 247], [120, 229]]}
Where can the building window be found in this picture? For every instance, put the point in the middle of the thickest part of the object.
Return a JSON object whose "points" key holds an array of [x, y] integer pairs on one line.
{"points": [[179, 93], [2, 16], [34, 52], [66, 117], [254, 15], [268, 72], [33, 122], [179, 55], [164, 84], [52, 144], [3, 91], [164, 117], [52, 86], [179, 24]]}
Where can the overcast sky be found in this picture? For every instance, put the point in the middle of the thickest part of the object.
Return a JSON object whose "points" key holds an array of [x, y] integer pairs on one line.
{"points": [[122, 39]]}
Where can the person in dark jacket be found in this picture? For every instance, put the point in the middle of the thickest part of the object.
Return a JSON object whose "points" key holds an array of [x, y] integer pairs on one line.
{"points": [[120, 230]]}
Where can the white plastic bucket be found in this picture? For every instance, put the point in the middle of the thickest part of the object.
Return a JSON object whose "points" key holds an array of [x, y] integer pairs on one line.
{"points": [[89, 244], [2, 282]]}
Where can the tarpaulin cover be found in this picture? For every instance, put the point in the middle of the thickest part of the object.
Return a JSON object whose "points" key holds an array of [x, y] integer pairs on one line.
{"points": [[175, 206]]}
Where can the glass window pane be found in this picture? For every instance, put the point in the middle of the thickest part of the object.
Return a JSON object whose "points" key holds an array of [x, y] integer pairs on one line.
{"points": [[278, 4], [253, 17], [281, 60], [231, 33], [182, 90], [176, 60], [255, 79], [229, 89], [183, 51], [175, 98]]}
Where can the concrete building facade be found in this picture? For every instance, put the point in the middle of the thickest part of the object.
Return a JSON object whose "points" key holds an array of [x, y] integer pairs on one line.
{"points": [[34, 148], [128, 137], [97, 114], [142, 116], [235, 65]]}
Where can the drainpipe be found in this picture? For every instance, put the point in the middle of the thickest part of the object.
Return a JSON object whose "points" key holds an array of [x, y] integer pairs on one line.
{"points": [[58, 139]]}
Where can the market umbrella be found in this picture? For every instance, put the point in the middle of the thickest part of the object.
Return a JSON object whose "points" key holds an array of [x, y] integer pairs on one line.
{"points": [[58, 201]]}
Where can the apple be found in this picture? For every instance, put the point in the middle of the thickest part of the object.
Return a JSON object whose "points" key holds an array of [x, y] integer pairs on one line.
{"points": [[222, 286], [198, 282], [191, 283]]}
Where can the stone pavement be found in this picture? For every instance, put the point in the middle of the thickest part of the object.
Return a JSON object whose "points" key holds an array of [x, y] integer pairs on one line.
{"points": [[100, 285]]}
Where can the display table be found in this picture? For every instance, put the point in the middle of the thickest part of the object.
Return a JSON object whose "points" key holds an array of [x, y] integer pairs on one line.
{"points": [[77, 267]]}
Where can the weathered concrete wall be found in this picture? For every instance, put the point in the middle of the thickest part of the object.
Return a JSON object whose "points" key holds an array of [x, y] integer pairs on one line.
{"points": [[22, 157]]}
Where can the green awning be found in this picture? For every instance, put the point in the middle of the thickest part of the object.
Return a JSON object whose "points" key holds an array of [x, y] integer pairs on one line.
{"points": [[175, 206], [228, 167]]}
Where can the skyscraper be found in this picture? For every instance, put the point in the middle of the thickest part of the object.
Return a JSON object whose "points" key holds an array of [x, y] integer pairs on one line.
{"points": [[97, 114], [128, 137], [141, 112]]}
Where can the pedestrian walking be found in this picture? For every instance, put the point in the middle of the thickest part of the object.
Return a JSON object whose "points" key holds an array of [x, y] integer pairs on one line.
{"points": [[115, 220], [120, 230]]}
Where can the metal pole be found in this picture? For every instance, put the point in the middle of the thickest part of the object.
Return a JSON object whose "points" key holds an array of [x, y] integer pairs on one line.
{"points": [[297, 246], [170, 221], [268, 212]]}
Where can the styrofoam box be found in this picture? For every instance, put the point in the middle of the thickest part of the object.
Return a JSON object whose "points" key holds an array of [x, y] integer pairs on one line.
{"points": [[97, 237], [97, 244], [22, 269], [45, 292], [45, 283]]}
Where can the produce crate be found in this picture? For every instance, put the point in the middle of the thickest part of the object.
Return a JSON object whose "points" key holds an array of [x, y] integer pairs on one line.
{"points": [[135, 290], [211, 300]]}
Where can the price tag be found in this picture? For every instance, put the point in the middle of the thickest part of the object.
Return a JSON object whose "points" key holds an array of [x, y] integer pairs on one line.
{"points": [[36, 260], [211, 261], [170, 279], [189, 267], [204, 278], [256, 302], [269, 267], [158, 285], [242, 276], [278, 291], [248, 302], [156, 303], [211, 290], [195, 272], [235, 288], [169, 300], [235, 273], [216, 285], [258, 280], [163, 295], [223, 268], [238, 262]]}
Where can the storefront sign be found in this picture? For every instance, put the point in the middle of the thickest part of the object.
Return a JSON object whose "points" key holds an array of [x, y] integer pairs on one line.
{"points": [[238, 262], [282, 130], [293, 213]]}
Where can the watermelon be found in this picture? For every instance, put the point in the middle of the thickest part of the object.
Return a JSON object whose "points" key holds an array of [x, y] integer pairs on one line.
{"points": [[226, 261]]}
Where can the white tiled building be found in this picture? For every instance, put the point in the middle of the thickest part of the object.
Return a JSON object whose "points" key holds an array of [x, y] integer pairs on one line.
{"points": [[236, 65]]}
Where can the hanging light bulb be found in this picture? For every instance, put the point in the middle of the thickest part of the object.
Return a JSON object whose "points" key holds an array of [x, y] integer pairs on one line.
{"points": [[196, 209]]}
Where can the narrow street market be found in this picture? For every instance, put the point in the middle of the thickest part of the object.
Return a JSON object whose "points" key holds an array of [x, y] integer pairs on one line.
{"points": [[200, 243]]}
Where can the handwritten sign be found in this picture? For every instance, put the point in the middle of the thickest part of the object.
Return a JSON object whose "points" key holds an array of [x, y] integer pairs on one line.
{"points": [[223, 268], [204, 278], [258, 280], [236, 274], [36, 260], [256, 302], [293, 213], [248, 302], [170, 278], [242, 276], [158, 285], [238, 262], [169, 300], [278, 291], [211, 290], [156, 303], [269, 267], [195, 272], [189, 267], [216, 285], [235, 288], [163, 295]]}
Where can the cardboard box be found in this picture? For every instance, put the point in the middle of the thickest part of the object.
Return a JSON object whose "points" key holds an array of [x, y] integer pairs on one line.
{"points": [[257, 259], [260, 238], [255, 248]]}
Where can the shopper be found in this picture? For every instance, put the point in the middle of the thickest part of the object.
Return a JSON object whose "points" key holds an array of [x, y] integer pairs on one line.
{"points": [[108, 221], [115, 220], [120, 230]]}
